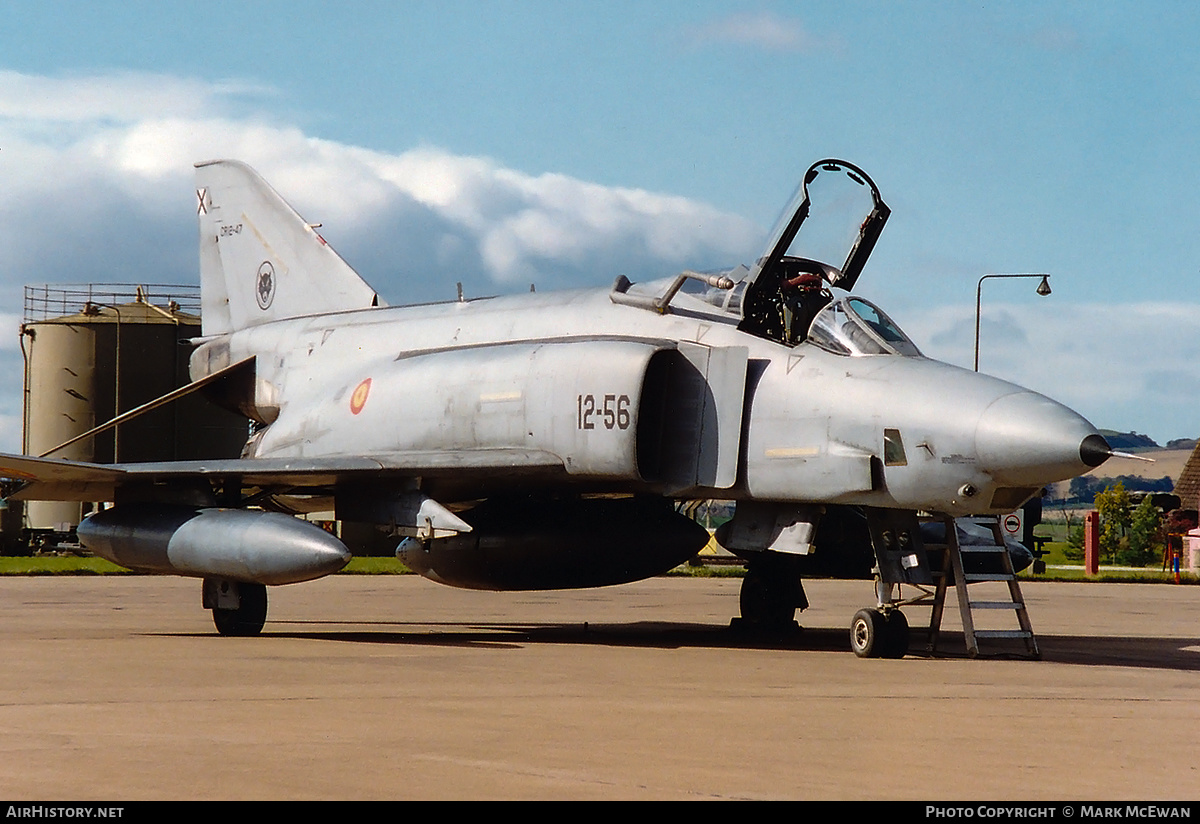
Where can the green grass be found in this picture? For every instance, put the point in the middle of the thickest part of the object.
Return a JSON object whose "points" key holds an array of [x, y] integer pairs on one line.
{"points": [[59, 565], [1112, 576], [74, 565], [1056, 554], [375, 566], [719, 571]]}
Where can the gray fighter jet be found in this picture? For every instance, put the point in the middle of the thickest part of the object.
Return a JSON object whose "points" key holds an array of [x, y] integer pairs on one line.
{"points": [[545, 440]]}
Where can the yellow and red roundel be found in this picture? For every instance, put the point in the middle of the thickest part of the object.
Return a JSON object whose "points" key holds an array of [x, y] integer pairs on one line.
{"points": [[359, 398]]}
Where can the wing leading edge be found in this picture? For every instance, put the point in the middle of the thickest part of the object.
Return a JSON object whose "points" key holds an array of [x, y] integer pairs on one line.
{"points": [[47, 479]]}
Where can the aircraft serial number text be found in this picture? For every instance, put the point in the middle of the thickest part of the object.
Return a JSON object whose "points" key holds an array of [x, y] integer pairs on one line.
{"points": [[612, 412]]}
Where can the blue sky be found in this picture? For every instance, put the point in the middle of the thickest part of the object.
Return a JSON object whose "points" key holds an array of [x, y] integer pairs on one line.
{"points": [[565, 143]]}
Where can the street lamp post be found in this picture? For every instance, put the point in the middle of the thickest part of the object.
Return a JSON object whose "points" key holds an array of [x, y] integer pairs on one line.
{"points": [[1043, 289]]}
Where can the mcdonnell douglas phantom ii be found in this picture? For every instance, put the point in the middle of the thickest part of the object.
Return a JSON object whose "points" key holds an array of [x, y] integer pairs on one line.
{"points": [[546, 440]]}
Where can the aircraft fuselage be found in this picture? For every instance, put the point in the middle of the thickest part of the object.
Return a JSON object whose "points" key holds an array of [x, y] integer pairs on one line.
{"points": [[519, 373]]}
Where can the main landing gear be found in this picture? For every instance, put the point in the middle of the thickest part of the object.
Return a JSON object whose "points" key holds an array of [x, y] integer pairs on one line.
{"points": [[771, 593], [238, 608]]}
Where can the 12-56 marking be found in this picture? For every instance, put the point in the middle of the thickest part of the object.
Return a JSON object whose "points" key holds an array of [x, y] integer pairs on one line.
{"points": [[611, 413]]}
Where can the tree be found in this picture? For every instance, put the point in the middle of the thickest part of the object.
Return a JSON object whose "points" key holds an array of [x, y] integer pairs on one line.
{"points": [[1074, 550], [1116, 516], [1145, 535], [1128, 536], [1080, 489]]}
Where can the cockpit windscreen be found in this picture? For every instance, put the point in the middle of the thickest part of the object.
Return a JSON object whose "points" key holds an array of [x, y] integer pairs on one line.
{"points": [[853, 326]]}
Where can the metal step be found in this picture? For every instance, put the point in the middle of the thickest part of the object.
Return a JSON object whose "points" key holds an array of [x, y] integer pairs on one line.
{"points": [[1002, 633], [953, 563]]}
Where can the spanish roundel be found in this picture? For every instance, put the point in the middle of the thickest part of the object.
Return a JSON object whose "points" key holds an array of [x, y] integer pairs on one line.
{"points": [[359, 398]]}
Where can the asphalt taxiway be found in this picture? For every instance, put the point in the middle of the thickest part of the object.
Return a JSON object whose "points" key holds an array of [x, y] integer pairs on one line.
{"points": [[117, 688]]}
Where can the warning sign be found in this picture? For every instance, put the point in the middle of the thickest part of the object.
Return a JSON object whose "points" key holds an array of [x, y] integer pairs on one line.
{"points": [[1012, 523]]}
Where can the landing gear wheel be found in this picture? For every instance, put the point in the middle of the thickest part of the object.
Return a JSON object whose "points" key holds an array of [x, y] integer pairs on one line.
{"points": [[876, 635], [250, 615], [895, 635], [770, 595], [866, 633], [762, 600]]}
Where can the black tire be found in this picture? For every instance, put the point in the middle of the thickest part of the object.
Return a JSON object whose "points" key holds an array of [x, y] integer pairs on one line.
{"points": [[250, 616], [764, 600], [867, 631], [895, 635]]}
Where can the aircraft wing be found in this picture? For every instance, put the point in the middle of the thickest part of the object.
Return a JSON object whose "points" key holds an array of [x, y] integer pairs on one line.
{"points": [[48, 479]]}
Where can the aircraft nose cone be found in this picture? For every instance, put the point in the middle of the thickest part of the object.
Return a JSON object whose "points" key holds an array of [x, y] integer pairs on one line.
{"points": [[1027, 439], [1094, 450]]}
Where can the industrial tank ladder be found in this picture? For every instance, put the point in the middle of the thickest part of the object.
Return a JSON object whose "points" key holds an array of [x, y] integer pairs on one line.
{"points": [[952, 563]]}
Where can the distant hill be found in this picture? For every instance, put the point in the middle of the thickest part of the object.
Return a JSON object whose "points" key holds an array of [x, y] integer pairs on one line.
{"points": [[1182, 443], [1124, 441], [1158, 476]]}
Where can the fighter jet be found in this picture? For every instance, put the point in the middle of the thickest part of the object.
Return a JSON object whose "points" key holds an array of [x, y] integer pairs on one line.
{"points": [[546, 440]]}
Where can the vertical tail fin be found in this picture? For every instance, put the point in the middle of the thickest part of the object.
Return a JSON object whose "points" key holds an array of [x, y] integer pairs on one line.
{"points": [[259, 260]]}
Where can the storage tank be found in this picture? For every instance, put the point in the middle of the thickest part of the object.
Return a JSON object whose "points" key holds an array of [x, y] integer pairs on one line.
{"points": [[95, 351]]}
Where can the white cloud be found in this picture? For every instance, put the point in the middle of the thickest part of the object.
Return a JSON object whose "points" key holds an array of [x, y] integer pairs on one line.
{"points": [[96, 185], [10, 322], [763, 30], [120, 97], [111, 157]]}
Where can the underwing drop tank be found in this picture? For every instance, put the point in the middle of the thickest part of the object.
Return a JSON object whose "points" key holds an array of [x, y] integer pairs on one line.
{"points": [[534, 545], [230, 544]]}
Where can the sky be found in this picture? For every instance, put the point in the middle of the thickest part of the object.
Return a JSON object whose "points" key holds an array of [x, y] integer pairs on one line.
{"points": [[500, 144]]}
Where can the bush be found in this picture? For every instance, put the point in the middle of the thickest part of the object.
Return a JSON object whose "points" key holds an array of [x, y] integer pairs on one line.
{"points": [[1145, 536], [1074, 549]]}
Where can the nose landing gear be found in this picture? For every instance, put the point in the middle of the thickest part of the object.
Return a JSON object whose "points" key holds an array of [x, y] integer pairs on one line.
{"points": [[875, 633]]}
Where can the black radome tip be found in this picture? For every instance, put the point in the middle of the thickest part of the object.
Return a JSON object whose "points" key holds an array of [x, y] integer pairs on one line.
{"points": [[1094, 451]]}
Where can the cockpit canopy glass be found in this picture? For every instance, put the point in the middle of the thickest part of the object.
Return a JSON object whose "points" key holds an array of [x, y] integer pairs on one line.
{"points": [[853, 326], [831, 223], [780, 293]]}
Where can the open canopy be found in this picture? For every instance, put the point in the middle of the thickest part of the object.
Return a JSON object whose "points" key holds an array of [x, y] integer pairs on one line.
{"points": [[836, 240]]}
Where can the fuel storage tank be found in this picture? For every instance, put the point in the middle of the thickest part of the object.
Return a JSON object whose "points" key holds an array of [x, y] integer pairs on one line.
{"points": [[95, 351]]}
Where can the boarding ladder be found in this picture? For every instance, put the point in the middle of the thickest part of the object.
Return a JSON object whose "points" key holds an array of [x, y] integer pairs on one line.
{"points": [[952, 571]]}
